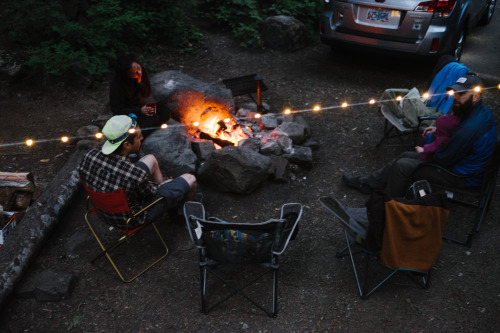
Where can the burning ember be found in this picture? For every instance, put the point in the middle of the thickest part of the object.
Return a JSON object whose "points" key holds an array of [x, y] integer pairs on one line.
{"points": [[209, 120]]}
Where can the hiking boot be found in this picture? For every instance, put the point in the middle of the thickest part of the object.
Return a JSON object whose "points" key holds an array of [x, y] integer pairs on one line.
{"points": [[357, 183]]}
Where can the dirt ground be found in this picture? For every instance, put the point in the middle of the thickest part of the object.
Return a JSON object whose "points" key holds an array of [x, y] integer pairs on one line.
{"points": [[317, 291]]}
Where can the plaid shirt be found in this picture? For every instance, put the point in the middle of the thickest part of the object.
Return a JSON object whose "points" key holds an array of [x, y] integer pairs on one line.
{"points": [[109, 173]]}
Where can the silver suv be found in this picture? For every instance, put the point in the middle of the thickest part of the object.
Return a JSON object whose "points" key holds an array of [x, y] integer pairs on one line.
{"points": [[411, 26]]}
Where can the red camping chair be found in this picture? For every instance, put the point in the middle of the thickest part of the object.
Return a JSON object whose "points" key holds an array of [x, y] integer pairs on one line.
{"points": [[112, 203]]}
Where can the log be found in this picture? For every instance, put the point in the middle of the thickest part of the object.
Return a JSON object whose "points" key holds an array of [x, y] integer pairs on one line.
{"points": [[17, 190]]}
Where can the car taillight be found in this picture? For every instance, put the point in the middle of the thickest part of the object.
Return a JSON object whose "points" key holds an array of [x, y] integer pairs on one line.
{"points": [[440, 8]]}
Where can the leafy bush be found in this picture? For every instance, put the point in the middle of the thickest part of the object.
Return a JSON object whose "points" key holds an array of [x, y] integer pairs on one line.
{"points": [[56, 33], [245, 17], [54, 41]]}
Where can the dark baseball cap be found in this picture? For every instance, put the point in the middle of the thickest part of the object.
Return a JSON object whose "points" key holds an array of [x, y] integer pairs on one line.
{"points": [[466, 83]]}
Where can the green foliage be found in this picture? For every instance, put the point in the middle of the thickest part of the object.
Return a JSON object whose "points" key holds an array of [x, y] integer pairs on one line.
{"points": [[307, 12], [241, 16], [56, 34], [245, 17], [54, 40]]}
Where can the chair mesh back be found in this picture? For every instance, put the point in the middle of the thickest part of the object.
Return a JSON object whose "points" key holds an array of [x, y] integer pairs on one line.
{"points": [[240, 242], [111, 202]]}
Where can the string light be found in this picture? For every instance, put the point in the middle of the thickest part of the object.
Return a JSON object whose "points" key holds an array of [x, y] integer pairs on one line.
{"points": [[99, 135]]}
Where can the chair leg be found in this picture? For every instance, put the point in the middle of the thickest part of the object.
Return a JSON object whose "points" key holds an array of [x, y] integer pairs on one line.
{"points": [[105, 251], [239, 290]]}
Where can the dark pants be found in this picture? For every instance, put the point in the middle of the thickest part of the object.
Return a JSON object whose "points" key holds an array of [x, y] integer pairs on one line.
{"points": [[396, 177]]}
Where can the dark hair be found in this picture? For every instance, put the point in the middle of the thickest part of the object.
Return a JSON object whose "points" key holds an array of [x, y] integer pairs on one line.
{"points": [[122, 65], [130, 139]]}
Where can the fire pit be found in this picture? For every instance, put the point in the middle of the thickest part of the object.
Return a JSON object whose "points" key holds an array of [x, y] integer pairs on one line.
{"points": [[235, 151]]}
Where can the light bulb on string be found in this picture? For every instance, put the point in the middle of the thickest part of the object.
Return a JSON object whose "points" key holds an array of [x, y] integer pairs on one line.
{"points": [[64, 139], [258, 115], [288, 111], [477, 89], [29, 142], [344, 105], [317, 108], [425, 95], [164, 126], [399, 98], [98, 135], [372, 101]]}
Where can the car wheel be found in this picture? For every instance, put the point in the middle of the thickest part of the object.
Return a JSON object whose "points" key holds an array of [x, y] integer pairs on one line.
{"points": [[488, 14], [459, 46]]}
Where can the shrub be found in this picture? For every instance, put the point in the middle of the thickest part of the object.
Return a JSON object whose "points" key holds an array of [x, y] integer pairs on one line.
{"points": [[54, 40]]}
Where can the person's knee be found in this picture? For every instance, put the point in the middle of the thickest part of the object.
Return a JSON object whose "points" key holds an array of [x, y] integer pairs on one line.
{"points": [[151, 161], [190, 179]]}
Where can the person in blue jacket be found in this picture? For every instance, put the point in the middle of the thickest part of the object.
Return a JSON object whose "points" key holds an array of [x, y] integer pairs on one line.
{"points": [[466, 152]]}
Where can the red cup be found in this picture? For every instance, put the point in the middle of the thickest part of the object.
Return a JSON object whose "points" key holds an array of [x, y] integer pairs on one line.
{"points": [[151, 105]]}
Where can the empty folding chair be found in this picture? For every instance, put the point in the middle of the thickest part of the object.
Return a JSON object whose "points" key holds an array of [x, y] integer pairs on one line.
{"points": [[407, 240], [241, 244], [406, 117], [113, 203]]}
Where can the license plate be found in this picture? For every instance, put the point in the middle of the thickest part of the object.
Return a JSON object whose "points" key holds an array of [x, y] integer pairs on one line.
{"points": [[378, 15]]}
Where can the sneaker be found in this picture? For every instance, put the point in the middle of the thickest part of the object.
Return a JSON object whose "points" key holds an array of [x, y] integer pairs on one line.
{"points": [[357, 183]]}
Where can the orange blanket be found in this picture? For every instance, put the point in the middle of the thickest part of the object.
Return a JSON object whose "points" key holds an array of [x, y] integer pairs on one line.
{"points": [[412, 234]]}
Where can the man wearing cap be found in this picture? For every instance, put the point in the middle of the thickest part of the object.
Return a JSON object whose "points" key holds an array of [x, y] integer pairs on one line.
{"points": [[466, 151], [109, 170]]}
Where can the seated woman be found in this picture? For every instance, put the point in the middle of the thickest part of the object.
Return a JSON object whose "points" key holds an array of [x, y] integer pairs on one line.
{"points": [[127, 92]]}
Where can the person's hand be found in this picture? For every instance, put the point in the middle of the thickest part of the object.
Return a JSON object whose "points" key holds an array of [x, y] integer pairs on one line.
{"points": [[428, 130], [419, 149], [167, 179], [147, 111]]}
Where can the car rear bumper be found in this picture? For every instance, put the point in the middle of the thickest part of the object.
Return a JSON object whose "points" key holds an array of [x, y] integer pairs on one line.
{"points": [[422, 45]]}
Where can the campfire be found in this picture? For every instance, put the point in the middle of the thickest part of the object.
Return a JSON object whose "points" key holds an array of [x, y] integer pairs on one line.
{"points": [[209, 120]]}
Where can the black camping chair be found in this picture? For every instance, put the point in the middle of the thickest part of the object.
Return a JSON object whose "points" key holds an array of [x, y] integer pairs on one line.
{"points": [[355, 224], [477, 197], [221, 242]]}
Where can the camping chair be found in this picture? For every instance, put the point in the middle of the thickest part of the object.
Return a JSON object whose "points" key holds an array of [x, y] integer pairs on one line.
{"points": [[112, 203], [242, 244], [477, 197], [415, 259], [395, 126]]}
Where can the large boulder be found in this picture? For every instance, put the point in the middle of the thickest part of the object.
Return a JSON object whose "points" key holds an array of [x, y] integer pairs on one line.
{"points": [[188, 99], [172, 150], [284, 33], [236, 170]]}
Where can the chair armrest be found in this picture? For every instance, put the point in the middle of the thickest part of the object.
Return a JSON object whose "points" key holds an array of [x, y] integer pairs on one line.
{"points": [[421, 118], [142, 211], [443, 169]]}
